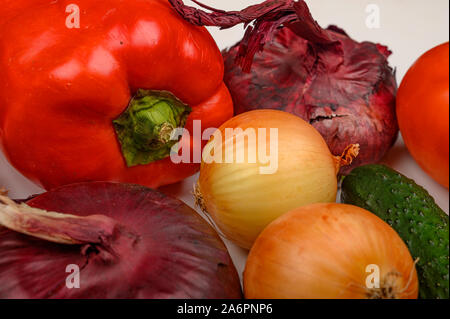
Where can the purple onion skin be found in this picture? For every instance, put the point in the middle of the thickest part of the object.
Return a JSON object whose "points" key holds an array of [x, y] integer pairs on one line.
{"points": [[348, 97], [345, 89], [164, 250]]}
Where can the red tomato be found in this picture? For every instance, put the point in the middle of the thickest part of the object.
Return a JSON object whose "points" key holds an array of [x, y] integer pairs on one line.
{"points": [[423, 112]]}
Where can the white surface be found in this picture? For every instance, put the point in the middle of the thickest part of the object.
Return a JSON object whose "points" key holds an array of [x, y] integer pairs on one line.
{"points": [[408, 27]]}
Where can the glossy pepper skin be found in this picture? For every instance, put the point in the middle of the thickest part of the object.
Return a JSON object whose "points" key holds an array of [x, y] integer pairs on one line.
{"points": [[62, 88]]}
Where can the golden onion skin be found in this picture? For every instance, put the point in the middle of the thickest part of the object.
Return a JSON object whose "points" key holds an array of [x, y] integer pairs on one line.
{"points": [[321, 251], [242, 201]]}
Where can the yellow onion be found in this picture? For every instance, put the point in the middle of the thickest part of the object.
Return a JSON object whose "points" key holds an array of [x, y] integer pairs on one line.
{"points": [[330, 251], [244, 197]]}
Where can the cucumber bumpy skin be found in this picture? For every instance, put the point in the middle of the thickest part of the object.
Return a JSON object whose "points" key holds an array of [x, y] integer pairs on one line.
{"points": [[413, 213]]}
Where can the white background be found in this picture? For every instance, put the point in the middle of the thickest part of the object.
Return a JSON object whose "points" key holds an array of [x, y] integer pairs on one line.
{"points": [[408, 27]]}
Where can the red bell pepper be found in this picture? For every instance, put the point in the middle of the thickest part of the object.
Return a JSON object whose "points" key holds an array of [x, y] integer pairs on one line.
{"points": [[99, 102]]}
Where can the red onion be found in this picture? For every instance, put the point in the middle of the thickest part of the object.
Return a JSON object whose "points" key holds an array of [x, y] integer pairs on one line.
{"points": [[128, 242], [286, 61]]}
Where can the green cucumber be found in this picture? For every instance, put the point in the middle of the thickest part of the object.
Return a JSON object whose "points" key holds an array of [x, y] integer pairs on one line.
{"points": [[413, 213]]}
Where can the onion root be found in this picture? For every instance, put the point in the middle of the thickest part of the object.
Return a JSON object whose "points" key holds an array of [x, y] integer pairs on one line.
{"points": [[388, 287]]}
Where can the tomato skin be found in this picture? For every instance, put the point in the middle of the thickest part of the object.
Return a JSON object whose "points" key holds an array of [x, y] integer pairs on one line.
{"points": [[423, 112], [61, 88]]}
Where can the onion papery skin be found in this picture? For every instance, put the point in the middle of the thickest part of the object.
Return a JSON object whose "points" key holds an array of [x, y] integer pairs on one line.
{"points": [[349, 99], [322, 251], [177, 254], [242, 202]]}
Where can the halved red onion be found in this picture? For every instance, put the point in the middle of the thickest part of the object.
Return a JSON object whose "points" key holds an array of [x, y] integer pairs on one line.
{"points": [[128, 242]]}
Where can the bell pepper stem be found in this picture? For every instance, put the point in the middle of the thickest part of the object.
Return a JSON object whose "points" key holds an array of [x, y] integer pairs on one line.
{"points": [[145, 129]]}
